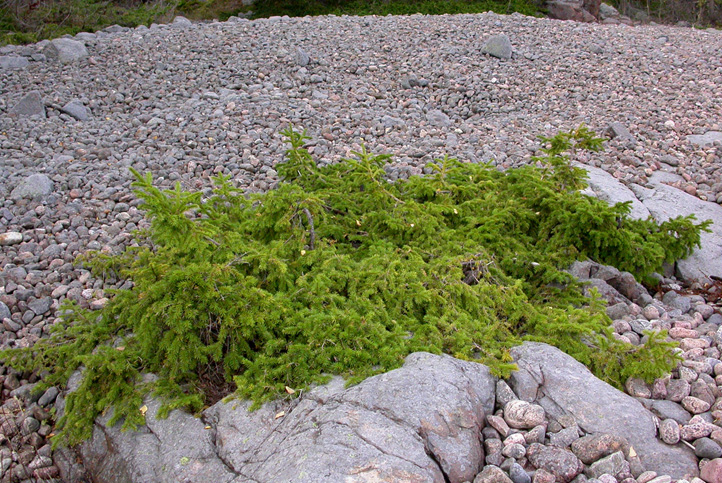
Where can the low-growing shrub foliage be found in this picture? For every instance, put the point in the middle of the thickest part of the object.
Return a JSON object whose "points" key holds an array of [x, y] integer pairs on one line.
{"points": [[339, 271]]}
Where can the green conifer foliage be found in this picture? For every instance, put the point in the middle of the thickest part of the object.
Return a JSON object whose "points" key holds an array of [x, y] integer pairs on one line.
{"points": [[338, 271]]}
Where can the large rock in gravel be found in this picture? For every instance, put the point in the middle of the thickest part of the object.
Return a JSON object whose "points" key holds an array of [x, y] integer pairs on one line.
{"points": [[34, 186], [565, 388], [12, 62], [665, 202], [606, 187], [30, 105], [65, 50], [179, 448], [417, 423], [76, 109], [705, 139], [498, 46], [562, 10]]}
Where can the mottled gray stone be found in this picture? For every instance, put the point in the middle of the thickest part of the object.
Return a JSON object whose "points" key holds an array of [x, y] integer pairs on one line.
{"points": [[405, 425], [34, 186], [566, 386], [13, 62], [665, 202], [302, 58], [30, 105], [498, 46], [705, 139], [77, 110], [65, 50], [614, 464], [523, 415]]}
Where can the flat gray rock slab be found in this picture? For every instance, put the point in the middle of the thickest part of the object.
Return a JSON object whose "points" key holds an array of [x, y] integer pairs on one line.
{"points": [[34, 186], [665, 202], [179, 448], [606, 187], [65, 50], [30, 105], [705, 139], [77, 110], [565, 387], [11, 62], [420, 423], [498, 46]]}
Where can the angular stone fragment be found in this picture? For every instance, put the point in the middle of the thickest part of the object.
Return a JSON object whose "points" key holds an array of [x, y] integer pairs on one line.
{"points": [[33, 187], [619, 130], [498, 46], [13, 62], [65, 50], [591, 448], [77, 110], [30, 105]]}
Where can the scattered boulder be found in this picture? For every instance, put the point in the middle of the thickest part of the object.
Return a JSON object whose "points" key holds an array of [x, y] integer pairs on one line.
{"points": [[606, 187], [567, 389], [563, 10], [12, 62], [437, 118], [607, 11], [617, 130], [34, 186], [705, 139], [65, 50], [420, 422], [30, 105], [77, 110], [665, 202], [498, 46], [302, 59], [181, 22]]}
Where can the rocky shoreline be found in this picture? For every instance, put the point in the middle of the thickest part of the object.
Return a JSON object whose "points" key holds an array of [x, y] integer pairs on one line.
{"points": [[188, 101]]}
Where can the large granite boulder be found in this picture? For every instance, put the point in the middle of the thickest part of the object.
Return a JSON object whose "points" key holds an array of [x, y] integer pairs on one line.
{"points": [[33, 187], [65, 50], [606, 187], [569, 10], [665, 202], [421, 422], [567, 389]]}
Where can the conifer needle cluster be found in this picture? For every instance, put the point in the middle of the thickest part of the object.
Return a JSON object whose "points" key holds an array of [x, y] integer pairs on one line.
{"points": [[339, 271]]}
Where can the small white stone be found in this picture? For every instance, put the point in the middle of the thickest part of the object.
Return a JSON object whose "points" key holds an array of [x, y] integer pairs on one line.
{"points": [[10, 238], [669, 124]]}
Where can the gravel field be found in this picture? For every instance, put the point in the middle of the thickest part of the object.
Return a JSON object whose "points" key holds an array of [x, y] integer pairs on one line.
{"points": [[188, 101]]}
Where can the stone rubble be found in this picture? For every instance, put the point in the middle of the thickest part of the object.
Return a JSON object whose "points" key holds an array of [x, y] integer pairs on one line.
{"points": [[189, 101]]}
